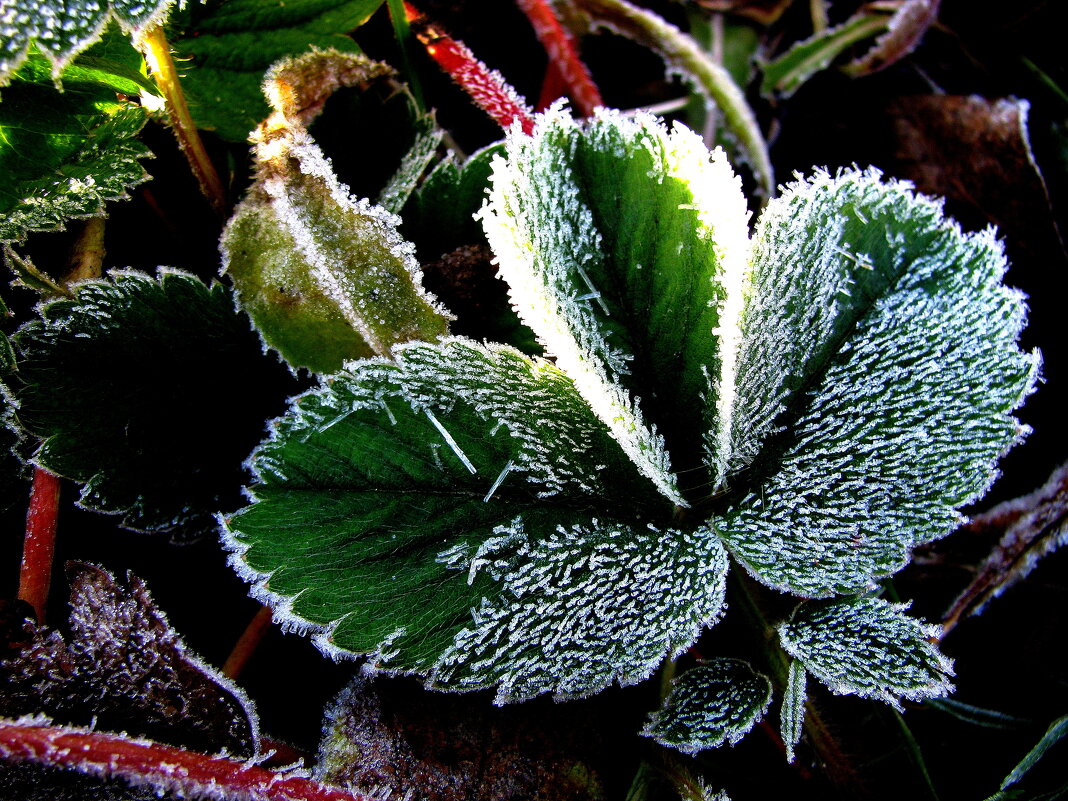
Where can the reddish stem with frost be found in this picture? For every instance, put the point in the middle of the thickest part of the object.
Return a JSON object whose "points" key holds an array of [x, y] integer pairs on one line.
{"points": [[39, 547], [164, 767], [485, 87], [563, 55]]}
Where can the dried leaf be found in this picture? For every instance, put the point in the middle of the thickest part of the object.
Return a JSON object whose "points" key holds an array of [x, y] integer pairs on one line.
{"points": [[904, 32], [125, 668]]}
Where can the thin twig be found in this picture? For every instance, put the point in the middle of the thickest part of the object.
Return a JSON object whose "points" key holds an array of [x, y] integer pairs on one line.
{"points": [[39, 547], [188, 774], [157, 52], [87, 255], [247, 643]]}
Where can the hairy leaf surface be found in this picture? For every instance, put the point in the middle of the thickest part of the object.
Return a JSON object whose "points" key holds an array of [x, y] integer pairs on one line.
{"points": [[133, 383], [463, 515], [714, 703], [867, 647], [231, 45], [63, 154], [616, 239], [61, 29], [878, 346]]}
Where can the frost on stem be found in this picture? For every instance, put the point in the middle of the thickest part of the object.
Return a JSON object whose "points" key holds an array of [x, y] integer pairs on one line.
{"points": [[324, 276]]}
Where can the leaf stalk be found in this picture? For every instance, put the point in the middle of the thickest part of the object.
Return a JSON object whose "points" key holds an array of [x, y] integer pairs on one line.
{"points": [[39, 547]]}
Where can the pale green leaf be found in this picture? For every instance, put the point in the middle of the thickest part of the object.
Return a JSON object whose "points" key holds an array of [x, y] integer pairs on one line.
{"points": [[787, 73], [227, 48], [462, 515], [877, 346], [63, 28], [616, 238], [64, 154], [324, 276], [714, 703], [867, 647], [792, 713]]}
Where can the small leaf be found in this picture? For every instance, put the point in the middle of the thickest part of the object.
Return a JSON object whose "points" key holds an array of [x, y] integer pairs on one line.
{"points": [[395, 194], [131, 382], [230, 46], [714, 703], [123, 667], [325, 277], [64, 154], [903, 34], [616, 239], [1057, 731], [786, 74], [867, 647], [877, 345], [441, 514], [792, 714], [63, 28]]}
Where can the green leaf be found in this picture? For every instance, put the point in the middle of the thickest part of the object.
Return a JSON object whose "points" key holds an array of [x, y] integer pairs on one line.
{"points": [[1056, 732], [877, 346], [231, 45], [616, 239], [324, 276], [440, 215], [64, 154], [786, 74], [977, 716], [395, 194], [61, 29], [792, 714], [461, 514], [867, 647], [131, 383], [714, 703]]}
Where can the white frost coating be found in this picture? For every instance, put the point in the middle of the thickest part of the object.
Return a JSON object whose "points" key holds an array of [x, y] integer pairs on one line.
{"points": [[792, 713], [717, 702], [450, 440], [536, 261], [870, 648], [582, 606]]}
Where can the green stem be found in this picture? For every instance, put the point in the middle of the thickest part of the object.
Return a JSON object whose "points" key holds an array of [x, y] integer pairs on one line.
{"points": [[403, 31], [837, 767], [157, 52], [681, 53], [915, 753]]}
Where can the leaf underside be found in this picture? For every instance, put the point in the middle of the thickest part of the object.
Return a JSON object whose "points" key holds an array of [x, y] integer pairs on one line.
{"points": [[867, 647], [462, 515], [877, 346], [131, 382], [714, 703]]}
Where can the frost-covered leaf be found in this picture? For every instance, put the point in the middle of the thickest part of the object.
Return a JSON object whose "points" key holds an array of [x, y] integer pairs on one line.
{"points": [[787, 73], [132, 382], [229, 46], [61, 29], [792, 713], [1057, 732], [616, 239], [64, 154], [867, 647], [440, 215], [877, 346], [714, 703], [398, 190], [387, 739], [325, 277], [124, 668], [461, 514]]}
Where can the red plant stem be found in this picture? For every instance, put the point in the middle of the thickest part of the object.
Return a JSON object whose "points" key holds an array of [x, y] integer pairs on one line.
{"points": [[553, 86], [164, 767], [247, 643], [562, 53], [35, 575], [485, 86]]}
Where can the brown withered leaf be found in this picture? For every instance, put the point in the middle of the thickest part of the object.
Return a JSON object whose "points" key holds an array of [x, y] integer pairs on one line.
{"points": [[973, 150], [763, 12], [391, 739], [904, 33], [124, 668]]}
